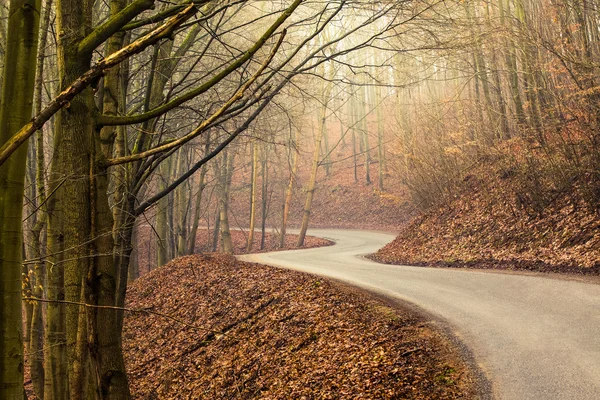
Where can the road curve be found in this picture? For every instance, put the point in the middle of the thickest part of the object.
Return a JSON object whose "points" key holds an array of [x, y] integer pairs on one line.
{"points": [[533, 337]]}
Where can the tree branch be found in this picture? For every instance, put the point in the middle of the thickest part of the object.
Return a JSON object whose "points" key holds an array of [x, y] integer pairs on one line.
{"points": [[97, 71], [196, 132], [105, 120], [113, 25], [146, 204], [162, 15]]}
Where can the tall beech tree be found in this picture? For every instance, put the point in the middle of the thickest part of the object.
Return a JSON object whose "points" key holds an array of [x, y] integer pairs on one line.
{"points": [[15, 111]]}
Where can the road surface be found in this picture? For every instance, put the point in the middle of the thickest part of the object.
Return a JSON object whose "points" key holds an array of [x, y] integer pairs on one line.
{"points": [[533, 337]]}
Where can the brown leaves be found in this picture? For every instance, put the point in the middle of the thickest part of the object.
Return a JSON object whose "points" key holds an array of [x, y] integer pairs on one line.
{"points": [[485, 228], [274, 334]]}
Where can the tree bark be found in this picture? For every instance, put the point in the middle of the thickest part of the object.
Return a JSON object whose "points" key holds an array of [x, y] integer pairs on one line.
{"points": [[15, 111], [253, 196], [224, 185], [36, 346], [194, 230], [289, 191], [380, 133], [312, 182]]}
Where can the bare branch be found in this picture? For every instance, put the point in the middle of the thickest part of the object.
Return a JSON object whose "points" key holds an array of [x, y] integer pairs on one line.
{"points": [[87, 79], [196, 132]]}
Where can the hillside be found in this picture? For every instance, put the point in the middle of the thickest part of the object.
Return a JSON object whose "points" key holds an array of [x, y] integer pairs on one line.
{"points": [[339, 200], [486, 226], [214, 327]]}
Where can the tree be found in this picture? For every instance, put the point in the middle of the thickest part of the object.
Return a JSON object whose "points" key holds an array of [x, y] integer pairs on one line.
{"points": [[15, 111]]}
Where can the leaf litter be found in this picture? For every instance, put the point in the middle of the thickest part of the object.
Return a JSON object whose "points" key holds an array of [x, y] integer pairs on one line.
{"points": [[257, 332]]}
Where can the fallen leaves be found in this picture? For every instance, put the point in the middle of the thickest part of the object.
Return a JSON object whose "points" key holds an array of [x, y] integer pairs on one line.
{"points": [[484, 228], [266, 333]]}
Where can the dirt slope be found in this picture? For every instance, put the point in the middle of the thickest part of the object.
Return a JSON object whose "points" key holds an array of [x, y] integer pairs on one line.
{"points": [[242, 331]]}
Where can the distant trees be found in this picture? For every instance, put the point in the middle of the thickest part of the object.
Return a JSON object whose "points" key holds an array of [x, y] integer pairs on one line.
{"points": [[520, 86]]}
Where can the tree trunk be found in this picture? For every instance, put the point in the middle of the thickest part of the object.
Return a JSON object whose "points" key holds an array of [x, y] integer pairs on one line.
{"points": [[36, 346], [15, 111], [162, 228], [365, 135], [264, 196], [253, 197], [194, 231], [217, 229], [289, 191], [81, 224], [511, 64], [224, 181], [380, 131], [312, 182]]}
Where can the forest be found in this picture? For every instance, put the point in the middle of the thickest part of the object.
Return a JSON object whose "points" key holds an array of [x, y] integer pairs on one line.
{"points": [[134, 132]]}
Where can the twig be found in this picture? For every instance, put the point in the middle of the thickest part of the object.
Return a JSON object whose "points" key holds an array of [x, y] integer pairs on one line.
{"points": [[409, 352]]}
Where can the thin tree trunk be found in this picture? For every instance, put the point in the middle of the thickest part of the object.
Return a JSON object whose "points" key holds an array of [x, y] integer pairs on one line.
{"points": [[530, 85], [134, 268], [504, 132], [264, 196], [36, 346], [326, 150], [289, 191], [217, 229], [162, 219], [253, 197], [312, 182], [226, 168], [353, 123], [481, 74], [183, 203], [380, 132], [511, 64], [365, 136], [194, 231]]}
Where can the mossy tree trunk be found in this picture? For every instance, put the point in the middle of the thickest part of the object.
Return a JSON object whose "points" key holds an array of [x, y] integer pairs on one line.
{"points": [[15, 111], [69, 213], [162, 225], [80, 227]]}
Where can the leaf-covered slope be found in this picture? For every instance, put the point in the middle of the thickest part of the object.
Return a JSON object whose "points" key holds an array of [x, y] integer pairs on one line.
{"points": [[252, 331], [485, 226]]}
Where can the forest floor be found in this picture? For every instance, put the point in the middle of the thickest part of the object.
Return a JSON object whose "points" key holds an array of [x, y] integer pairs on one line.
{"points": [[239, 238], [217, 328], [484, 226]]}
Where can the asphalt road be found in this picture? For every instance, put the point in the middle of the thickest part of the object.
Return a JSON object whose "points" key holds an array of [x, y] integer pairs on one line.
{"points": [[533, 337]]}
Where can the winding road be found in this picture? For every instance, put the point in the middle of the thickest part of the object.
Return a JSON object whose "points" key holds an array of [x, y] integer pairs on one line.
{"points": [[533, 337]]}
